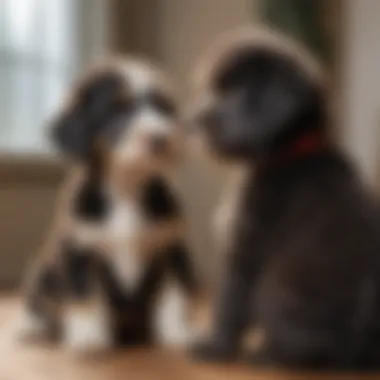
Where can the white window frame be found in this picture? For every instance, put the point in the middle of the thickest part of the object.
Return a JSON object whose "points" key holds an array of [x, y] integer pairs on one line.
{"points": [[90, 43]]}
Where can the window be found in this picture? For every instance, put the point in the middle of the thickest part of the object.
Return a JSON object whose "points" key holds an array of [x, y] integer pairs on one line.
{"points": [[43, 46]]}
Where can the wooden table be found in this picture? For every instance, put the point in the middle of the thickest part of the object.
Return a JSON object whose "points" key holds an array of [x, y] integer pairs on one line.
{"points": [[21, 361]]}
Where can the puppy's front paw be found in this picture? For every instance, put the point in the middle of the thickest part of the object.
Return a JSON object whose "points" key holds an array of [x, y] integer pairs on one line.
{"points": [[211, 351], [86, 331], [31, 326]]}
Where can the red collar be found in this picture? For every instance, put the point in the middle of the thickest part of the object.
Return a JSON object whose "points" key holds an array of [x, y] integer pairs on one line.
{"points": [[306, 145]]}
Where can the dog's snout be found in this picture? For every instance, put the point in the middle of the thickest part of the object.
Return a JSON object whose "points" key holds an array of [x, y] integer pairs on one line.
{"points": [[208, 119], [159, 144]]}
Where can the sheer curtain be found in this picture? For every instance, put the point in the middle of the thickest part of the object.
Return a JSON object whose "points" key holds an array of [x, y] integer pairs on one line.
{"points": [[43, 46]]}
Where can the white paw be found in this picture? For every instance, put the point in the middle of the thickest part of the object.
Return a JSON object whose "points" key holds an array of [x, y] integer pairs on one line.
{"points": [[31, 326], [86, 331], [178, 335], [172, 328]]}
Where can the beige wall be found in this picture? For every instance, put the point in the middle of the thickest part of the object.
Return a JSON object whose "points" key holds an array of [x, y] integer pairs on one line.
{"points": [[362, 84], [186, 30], [27, 195], [188, 27]]}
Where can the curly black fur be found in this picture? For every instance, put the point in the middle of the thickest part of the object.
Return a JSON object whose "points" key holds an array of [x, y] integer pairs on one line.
{"points": [[304, 263]]}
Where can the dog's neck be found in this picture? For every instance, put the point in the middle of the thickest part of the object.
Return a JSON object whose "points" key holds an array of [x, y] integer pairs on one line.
{"points": [[305, 145], [129, 184]]}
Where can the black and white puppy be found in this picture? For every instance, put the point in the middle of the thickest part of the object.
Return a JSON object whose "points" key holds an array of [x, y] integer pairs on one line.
{"points": [[304, 255], [118, 232]]}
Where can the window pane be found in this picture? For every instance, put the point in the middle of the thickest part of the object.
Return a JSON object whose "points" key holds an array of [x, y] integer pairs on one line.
{"points": [[24, 110], [33, 95], [42, 44], [20, 24], [5, 105], [2, 24], [56, 31], [54, 85]]}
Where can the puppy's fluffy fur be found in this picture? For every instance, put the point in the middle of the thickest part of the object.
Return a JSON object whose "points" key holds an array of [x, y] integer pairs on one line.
{"points": [[118, 232], [303, 263]]}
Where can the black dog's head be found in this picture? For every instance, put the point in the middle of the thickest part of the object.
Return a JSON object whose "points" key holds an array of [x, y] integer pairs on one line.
{"points": [[123, 112], [257, 93]]}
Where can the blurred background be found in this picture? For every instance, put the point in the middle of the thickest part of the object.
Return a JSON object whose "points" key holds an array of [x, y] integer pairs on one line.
{"points": [[45, 44]]}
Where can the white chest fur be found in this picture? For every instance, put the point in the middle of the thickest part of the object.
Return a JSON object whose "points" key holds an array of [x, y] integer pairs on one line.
{"points": [[125, 231], [127, 238], [120, 237]]}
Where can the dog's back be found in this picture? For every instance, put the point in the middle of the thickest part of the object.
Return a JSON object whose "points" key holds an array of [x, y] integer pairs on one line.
{"points": [[320, 288]]}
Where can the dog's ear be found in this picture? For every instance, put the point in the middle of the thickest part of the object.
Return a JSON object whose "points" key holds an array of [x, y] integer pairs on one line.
{"points": [[76, 128]]}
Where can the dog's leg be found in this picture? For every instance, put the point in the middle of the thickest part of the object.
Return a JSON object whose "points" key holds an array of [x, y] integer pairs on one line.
{"points": [[183, 268], [296, 339], [86, 320], [232, 317], [178, 296], [184, 271], [312, 350], [171, 327], [86, 326], [40, 317]]}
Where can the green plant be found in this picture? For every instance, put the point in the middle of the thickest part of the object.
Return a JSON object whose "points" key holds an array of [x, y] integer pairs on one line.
{"points": [[302, 19]]}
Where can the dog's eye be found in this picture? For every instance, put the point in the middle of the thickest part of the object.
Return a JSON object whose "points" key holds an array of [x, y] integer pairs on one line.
{"points": [[162, 103], [123, 106]]}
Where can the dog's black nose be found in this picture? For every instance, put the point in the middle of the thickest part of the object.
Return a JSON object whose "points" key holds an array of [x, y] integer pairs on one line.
{"points": [[159, 144], [209, 119]]}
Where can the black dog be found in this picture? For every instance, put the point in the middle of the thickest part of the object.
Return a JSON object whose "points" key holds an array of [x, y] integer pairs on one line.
{"points": [[304, 260], [119, 228]]}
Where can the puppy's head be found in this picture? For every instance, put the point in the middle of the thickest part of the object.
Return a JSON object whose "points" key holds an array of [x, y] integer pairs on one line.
{"points": [[123, 114], [256, 93]]}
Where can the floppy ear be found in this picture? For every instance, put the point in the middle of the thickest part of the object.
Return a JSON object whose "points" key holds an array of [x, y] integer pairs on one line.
{"points": [[71, 133], [75, 130]]}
